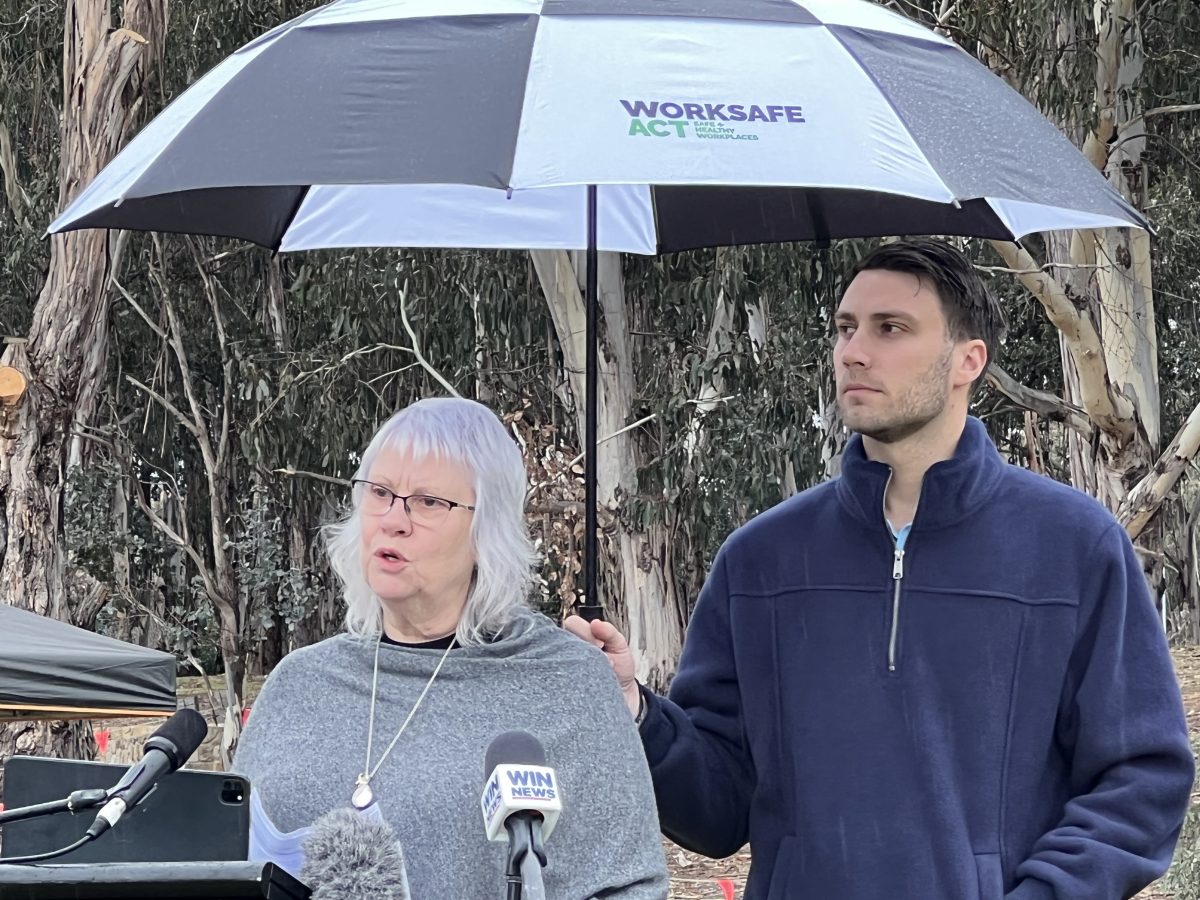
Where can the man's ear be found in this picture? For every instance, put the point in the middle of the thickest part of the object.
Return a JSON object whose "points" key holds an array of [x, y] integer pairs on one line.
{"points": [[971, 359]]}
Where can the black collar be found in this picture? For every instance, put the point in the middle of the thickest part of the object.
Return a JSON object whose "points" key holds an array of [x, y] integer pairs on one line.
{"points": [[442, 643]]}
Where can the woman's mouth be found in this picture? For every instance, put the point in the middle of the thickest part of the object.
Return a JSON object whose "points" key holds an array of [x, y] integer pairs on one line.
{"points": [[390, 560]]}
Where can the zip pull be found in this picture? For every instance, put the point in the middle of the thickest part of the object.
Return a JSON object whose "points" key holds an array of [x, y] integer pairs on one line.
{"points": [[898, 565]]}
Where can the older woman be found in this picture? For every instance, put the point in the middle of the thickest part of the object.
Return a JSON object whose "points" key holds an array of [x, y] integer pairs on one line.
{"points": [[440, 655]]}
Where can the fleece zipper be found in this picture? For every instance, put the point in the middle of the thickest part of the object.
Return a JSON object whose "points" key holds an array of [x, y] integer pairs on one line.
{"points": [[899, 541], [897, 578]]}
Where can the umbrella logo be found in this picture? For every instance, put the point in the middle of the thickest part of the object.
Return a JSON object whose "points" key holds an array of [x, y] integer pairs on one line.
{"points": [[705, 121]]}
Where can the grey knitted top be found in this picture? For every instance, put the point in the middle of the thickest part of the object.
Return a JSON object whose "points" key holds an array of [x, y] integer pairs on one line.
{"points": [[305, 743]]}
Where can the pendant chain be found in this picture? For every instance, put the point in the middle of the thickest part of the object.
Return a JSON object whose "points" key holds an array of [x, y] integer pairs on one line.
{"points": [[363, 795]]}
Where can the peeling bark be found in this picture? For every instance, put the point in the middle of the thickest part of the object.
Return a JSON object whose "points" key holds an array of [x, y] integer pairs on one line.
{"points": [[1097, 289], [1046, 405], [1148, 494]]}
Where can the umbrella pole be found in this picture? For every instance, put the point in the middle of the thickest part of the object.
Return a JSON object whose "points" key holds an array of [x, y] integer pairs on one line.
{"points": [[590, 608]]}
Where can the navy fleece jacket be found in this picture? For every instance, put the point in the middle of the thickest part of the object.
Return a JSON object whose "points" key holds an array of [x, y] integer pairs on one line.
{"points": [[992, 715]]}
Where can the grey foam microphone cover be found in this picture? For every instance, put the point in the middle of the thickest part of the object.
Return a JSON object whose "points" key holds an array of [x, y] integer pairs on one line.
{"points": [[347, 855]]}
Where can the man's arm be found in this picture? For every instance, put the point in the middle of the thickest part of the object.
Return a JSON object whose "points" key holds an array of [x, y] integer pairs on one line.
{"points": [[694, 741], [1121, 722]]}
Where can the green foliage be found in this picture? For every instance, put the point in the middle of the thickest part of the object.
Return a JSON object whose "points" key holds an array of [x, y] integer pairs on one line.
{"points": [[30, 71], [93, 534], [195, 631], [766, 422], [271, 587]]}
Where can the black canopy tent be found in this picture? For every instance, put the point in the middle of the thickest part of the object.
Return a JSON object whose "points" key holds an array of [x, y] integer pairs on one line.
{"points": [[52, 670]]}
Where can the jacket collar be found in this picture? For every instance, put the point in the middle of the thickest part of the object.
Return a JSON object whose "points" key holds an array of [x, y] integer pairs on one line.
{"points": [[951, 491]]}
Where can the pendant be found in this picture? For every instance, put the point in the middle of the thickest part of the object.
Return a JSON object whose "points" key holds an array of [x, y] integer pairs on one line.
{"points": [[363, 796]]}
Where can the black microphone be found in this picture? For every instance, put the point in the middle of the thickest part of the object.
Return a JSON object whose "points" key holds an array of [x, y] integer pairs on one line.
{"points": [[165, 751], [520, 795], [347, 855]]}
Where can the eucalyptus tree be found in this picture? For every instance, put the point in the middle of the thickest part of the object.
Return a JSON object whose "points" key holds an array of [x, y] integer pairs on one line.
{"points": [[107, 68], [1123, 80]]}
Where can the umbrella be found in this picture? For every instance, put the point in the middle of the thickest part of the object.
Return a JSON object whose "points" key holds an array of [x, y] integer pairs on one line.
{"points": [[696, 122], [52, 670]]}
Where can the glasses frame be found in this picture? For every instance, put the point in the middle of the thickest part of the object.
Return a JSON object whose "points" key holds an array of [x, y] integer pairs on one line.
{"points": [[404, 500]]}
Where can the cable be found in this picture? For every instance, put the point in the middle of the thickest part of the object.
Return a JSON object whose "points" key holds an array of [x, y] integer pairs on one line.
{"points": [[39, 857]]}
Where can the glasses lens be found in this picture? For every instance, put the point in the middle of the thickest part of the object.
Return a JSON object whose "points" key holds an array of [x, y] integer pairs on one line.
{"points": [[427, 510], [376, 500]]}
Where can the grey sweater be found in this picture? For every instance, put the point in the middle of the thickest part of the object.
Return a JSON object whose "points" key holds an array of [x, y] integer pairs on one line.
{"points": [[305, 744]]}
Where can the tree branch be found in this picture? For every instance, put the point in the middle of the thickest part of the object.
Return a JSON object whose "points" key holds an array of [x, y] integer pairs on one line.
{"points": [[326, 367], [316, 476], [552, 507], [175, 341], [227, 362], [632, 425], [166, 404], [161, 524], [1171, 110], [416, 346], [1036, 271], [1109, 410], [162, 335], [1142, 503], [17, 198], [1045, 404]]}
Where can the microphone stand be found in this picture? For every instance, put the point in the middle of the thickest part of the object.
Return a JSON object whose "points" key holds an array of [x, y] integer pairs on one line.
{"points": [[78, 800], [526, 856]]}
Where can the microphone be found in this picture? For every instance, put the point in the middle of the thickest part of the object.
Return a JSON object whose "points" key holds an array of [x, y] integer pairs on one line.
{"points": [[165, 751], [521, 802], [349, 855], [519, 784]]}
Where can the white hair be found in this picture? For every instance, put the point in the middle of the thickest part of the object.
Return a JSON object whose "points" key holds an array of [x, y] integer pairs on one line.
{"points": [[463, 431]]}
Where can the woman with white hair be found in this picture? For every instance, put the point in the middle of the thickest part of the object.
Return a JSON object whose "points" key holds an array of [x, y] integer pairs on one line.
{"points": [[441, 654]]}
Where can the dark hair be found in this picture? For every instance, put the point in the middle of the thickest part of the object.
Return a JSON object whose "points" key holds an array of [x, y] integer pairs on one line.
{"points": [[970, 309]]}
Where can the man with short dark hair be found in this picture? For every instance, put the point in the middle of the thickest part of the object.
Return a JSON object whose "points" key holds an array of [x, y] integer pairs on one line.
{"points": [[935, 677]]}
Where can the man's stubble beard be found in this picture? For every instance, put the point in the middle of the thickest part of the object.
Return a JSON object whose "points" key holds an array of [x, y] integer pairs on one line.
{"points": [[924, 401]]}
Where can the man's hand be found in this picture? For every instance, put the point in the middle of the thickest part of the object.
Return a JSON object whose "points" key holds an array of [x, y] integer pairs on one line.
{"points": [[616, 650]]}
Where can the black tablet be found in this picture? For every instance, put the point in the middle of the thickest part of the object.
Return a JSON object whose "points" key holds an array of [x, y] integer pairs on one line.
{"points": [[191, 816]]}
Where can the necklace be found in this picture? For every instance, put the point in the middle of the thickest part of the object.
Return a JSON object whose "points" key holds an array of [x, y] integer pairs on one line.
{"points": [[363, 796]]}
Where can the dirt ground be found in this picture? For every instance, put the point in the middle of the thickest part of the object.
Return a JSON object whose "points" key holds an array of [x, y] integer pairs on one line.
{"points": [[697, 878]]}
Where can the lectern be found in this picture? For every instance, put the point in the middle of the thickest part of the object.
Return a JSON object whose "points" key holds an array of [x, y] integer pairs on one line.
{"points": [[150, 881]]}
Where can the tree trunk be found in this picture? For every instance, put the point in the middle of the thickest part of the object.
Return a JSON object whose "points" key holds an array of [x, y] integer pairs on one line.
{"points": [[1098, 292], [105, 72], [637, 581], [1111, 284]]}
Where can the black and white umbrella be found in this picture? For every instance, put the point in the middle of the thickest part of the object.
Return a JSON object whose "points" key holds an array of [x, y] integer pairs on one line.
{"points": [[849, 120], [633, 125]]}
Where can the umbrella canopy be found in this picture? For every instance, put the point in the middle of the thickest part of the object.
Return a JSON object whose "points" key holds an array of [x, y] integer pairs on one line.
{"points": [[834, 118], [52, 670]]}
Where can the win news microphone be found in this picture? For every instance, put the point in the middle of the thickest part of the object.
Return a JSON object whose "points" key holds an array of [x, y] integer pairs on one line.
{"points": [[518, 784], [348, 855], [165, 751], [521, 802]]}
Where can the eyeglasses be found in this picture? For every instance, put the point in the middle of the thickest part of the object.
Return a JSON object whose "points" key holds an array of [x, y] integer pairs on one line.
{"points": [[376, 500]]}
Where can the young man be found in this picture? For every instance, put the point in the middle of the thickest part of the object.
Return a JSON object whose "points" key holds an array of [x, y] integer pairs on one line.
{"points": [[935, 677]]}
